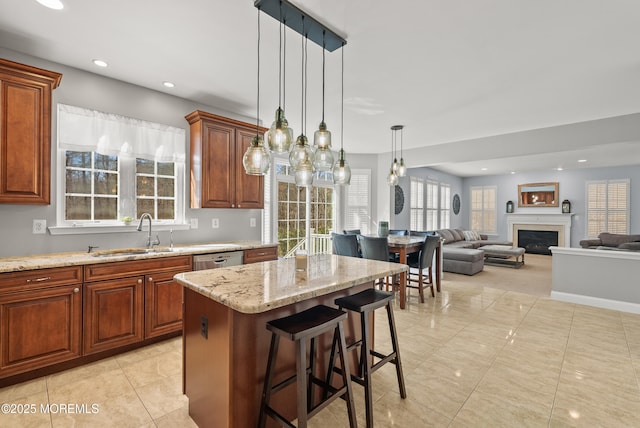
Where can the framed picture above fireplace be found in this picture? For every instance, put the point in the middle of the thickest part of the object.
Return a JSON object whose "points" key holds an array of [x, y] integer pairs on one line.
{"points": [[538, 195]]}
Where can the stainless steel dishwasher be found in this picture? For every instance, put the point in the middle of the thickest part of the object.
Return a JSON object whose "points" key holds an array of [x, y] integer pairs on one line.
{"points": [[217, 260]]}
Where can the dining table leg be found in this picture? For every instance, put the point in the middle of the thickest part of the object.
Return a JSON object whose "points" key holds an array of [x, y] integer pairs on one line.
{"points": [[438, 269], [403, 279]]}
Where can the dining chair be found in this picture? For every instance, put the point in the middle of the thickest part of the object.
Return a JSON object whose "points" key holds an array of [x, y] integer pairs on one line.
{"points": [[345, 244], [414, 257], [425, 261], [375, 248], [401, 232], [352, 232]]}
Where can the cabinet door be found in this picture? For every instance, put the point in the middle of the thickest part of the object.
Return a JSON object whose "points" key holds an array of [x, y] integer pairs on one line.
{"points": [[249, 188], [25, 133], [163, 304], [218, 165], [113, 313], [39, 328]]}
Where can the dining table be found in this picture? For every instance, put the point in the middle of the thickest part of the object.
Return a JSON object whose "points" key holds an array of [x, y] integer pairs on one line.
{"points": [[407, 244]]}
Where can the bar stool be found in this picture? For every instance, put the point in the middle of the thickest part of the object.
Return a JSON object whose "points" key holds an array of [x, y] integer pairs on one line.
{"points": [[299, 327], [366, 302]]}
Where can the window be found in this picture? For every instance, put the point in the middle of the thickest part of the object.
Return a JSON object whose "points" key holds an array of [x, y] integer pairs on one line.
{"points": [[607, 207], [432, 205], [358, 201], [445, 206], [417, 203], [291, 205], [483, 209], [113, 166]]}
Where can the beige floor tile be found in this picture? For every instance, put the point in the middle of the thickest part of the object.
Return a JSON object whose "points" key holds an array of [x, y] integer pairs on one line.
{"points": [[26, 412], [154, 368], [178, 418], [488, 410], [86, 371], [21, 390], [99, 388], [163, 396]]}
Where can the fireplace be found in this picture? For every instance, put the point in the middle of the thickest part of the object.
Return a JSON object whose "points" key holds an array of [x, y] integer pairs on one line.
{"points": [[557, 223], [537, 241]]}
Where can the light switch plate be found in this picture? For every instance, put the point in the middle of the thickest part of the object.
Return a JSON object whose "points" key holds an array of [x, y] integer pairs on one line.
{"points": [[252, 222], [215, 223], [39, 227], [193, 223]]}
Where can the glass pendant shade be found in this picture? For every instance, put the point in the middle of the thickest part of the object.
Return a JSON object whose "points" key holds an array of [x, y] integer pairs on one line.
{"points": [[392, 179], [401, 171], [279, 137], [395, 165], [256, 159], [300, 151], [341, 170], [322, 137], [323, 159], [304, 174]]}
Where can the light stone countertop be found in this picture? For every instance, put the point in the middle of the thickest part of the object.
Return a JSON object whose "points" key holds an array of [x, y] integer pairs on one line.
{"points": [[43, 261], [260, 287]]}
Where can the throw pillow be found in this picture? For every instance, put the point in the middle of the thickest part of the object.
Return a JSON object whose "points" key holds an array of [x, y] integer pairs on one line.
{"points": [[470, 235]]}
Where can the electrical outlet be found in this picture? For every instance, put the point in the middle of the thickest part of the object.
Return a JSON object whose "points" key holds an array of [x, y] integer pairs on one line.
{"points": [[39, 227], [252, 222], [215, 223], [193, 223], [204, 327]]}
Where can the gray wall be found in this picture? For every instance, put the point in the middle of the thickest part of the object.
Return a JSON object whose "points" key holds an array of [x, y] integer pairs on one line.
{"points": [[572, 186], [92, 91]]}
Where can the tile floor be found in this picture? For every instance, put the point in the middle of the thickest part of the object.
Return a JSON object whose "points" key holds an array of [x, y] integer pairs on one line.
{"points": [[473, 357]]}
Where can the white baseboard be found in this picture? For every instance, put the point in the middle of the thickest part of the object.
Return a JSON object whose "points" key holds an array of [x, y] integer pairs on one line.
{"points": [[598, 302]]}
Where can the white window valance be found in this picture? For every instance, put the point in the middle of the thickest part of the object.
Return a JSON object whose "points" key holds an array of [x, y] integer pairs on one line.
{"points": [[81, 129]]}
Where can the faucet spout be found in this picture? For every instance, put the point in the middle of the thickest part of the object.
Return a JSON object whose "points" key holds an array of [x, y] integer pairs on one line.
{"points": [[150, 243]]}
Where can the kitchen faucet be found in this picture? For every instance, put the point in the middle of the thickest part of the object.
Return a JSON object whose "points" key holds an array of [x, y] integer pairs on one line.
{"points": [[150, 243]]}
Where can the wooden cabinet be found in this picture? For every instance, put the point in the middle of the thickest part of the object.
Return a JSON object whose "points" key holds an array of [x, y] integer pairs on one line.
{"points": [[40, 318], [127, 302], [263, 254], [25, 133], [218, 179]]}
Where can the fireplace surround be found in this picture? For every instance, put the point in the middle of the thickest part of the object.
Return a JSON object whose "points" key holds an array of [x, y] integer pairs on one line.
{"points": [[560, 223]]}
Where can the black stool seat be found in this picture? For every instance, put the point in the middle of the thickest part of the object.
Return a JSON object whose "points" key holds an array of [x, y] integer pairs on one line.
{"points": [[307, 323], [364, 303], [299, 327]]}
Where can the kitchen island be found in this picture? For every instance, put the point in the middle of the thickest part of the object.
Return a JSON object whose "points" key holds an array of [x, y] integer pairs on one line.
{"points": [[225, 340]]}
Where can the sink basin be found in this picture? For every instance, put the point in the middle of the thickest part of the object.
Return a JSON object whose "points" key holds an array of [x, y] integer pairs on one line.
{"points": [[128, 252]]}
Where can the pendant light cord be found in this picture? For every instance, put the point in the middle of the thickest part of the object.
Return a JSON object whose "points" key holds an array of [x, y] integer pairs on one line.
{"points": [[258, 83], [280, 59], [302, 82], [284, 66], [342, 102], [306, 42], [323, 49]]}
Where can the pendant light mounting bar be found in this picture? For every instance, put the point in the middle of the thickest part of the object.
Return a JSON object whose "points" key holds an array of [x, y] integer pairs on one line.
{"points": [[292, 16]]}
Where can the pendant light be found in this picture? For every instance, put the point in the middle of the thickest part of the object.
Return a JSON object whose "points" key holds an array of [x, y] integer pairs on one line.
{"points": [[322, 137], [256, 159], [341, 169], [301, 156], [392, 178], [401, 171], [280, 136]]}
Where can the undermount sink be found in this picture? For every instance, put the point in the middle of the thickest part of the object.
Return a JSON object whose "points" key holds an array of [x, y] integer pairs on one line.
{"points": [[129, 252]]}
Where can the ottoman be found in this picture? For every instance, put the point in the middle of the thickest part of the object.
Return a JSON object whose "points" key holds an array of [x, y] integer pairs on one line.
{"points": [[467, 261], [502, 254]]}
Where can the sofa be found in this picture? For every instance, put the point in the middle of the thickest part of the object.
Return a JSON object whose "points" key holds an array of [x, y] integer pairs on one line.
{"points": [[613, 241], [460, 253]]}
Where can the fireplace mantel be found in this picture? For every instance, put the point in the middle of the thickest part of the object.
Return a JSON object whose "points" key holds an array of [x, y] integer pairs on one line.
{"points": [[554, 222]]}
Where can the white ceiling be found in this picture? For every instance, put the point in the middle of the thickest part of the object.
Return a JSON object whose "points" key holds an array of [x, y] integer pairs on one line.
{"points": [[449, 70]]}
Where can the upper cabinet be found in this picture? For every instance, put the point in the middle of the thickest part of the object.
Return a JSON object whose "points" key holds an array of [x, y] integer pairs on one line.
{"points": [[25, 133], [218, 179]]}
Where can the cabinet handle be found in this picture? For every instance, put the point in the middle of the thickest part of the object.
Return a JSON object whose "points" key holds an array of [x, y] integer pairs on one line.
{"points": [[139, 281], [46, 278], [75, 290]]}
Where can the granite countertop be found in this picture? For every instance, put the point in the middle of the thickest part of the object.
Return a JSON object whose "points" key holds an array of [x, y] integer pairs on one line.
{"points": [[260, 287], [43, 261]]}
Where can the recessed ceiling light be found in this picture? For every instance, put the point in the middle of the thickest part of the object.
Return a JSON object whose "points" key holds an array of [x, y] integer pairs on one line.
{"points": [[168, 84], [100, 63], [483, 169], [513, 172], [559, 168], [51, 4], [582, 160]]}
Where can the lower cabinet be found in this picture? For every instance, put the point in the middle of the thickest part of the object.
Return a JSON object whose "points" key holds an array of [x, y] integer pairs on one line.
{"points": [[163, 304], [40, 318], [113, 314]]}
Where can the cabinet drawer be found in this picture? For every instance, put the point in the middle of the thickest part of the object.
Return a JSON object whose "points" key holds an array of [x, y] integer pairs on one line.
{"points": [[40, 278], [99, 272], [255, 255]]}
